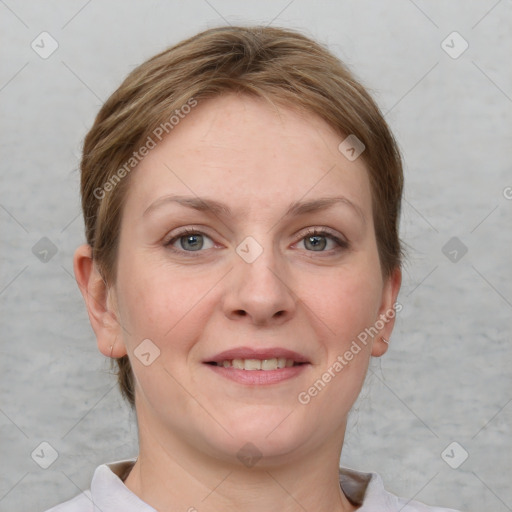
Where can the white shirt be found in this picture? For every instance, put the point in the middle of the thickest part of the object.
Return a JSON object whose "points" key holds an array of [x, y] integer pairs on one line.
{"points": [[109, 494]]}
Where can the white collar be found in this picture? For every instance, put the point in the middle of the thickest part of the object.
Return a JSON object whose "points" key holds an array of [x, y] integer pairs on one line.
{"points": [[110, 494]]}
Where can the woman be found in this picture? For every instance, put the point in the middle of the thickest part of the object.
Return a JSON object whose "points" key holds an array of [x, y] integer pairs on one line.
{"points": [[241, 193]]}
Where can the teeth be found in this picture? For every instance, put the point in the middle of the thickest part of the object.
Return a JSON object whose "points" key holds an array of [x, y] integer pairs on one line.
{"points": [[252, 364], [269, 364], [258, 364], [238, 363], [281, 362]]}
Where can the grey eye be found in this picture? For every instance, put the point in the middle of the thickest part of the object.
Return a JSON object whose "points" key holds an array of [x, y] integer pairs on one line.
{"points": [[315, 242], [192, 242]]}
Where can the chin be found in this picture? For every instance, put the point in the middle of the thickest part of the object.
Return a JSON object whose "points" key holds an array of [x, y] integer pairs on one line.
{"points": [[269, 438]]}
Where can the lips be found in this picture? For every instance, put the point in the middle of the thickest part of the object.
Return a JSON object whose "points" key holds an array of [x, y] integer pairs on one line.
{"points": [[246, 353], [258, 367]]}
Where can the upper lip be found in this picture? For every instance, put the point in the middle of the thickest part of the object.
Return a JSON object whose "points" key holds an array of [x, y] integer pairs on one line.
{"points": [[262, 353]]}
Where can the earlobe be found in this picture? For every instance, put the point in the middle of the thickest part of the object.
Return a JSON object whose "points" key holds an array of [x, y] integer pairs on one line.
{"points": [[380, 346], [387, 313], [96, 293]]}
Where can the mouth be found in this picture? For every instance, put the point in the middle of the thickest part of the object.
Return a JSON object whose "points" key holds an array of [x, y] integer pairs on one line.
{"points": [[258, 366], [247, 358]]}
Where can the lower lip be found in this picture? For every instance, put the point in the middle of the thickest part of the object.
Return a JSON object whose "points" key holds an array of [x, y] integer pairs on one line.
{"points": [[258, 377]]}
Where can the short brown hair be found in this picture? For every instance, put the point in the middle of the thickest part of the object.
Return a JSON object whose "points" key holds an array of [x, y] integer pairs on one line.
{"points": [[272, 63]]}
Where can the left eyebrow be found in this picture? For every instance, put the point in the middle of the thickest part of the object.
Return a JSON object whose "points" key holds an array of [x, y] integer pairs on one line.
{"points": [[323, 203], [220, 209]]}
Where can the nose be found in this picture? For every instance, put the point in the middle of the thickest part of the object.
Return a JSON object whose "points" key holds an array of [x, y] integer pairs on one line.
{"points": [[260, 292]]}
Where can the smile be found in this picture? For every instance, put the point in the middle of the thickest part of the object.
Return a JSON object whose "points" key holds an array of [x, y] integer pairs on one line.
{"points": [[257, 364], [256, 372]]}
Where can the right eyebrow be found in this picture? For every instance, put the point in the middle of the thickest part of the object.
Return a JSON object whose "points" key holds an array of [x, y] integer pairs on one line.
{"points": [[197, 203]]}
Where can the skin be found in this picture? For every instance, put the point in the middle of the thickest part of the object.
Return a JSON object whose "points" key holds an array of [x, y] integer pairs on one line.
{"points": [[193, 305]]}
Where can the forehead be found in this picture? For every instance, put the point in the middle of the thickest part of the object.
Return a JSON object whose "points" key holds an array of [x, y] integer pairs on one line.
{"points": [[246, 153]]}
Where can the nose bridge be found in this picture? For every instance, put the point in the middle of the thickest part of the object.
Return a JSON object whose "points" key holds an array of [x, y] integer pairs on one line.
{"points": [[259, 286]]}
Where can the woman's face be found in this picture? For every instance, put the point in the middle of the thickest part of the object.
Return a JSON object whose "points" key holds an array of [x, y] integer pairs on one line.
{"points": [[247, 232]]}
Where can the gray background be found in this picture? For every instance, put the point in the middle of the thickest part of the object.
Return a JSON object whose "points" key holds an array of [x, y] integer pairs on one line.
{"points": [[447, 374]]}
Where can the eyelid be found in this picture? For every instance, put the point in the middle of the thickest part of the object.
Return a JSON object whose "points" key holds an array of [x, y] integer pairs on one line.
{"points": [[340, 240], [189, 230], [320, 230], [169, 240]]}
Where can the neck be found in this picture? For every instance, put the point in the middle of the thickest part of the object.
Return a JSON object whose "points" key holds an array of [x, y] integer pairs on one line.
{"points": [[171, 474]]}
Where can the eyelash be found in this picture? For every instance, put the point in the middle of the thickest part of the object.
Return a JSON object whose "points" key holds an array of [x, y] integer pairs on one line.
{"points": [[342, 244]]}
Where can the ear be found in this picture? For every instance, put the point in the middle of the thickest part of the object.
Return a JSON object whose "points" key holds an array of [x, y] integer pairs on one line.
{"points": [[100, 302], [387, 312]]}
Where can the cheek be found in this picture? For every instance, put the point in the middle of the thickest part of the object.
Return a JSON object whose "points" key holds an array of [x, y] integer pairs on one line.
{"points": [[346, 301], [160, 303]]}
